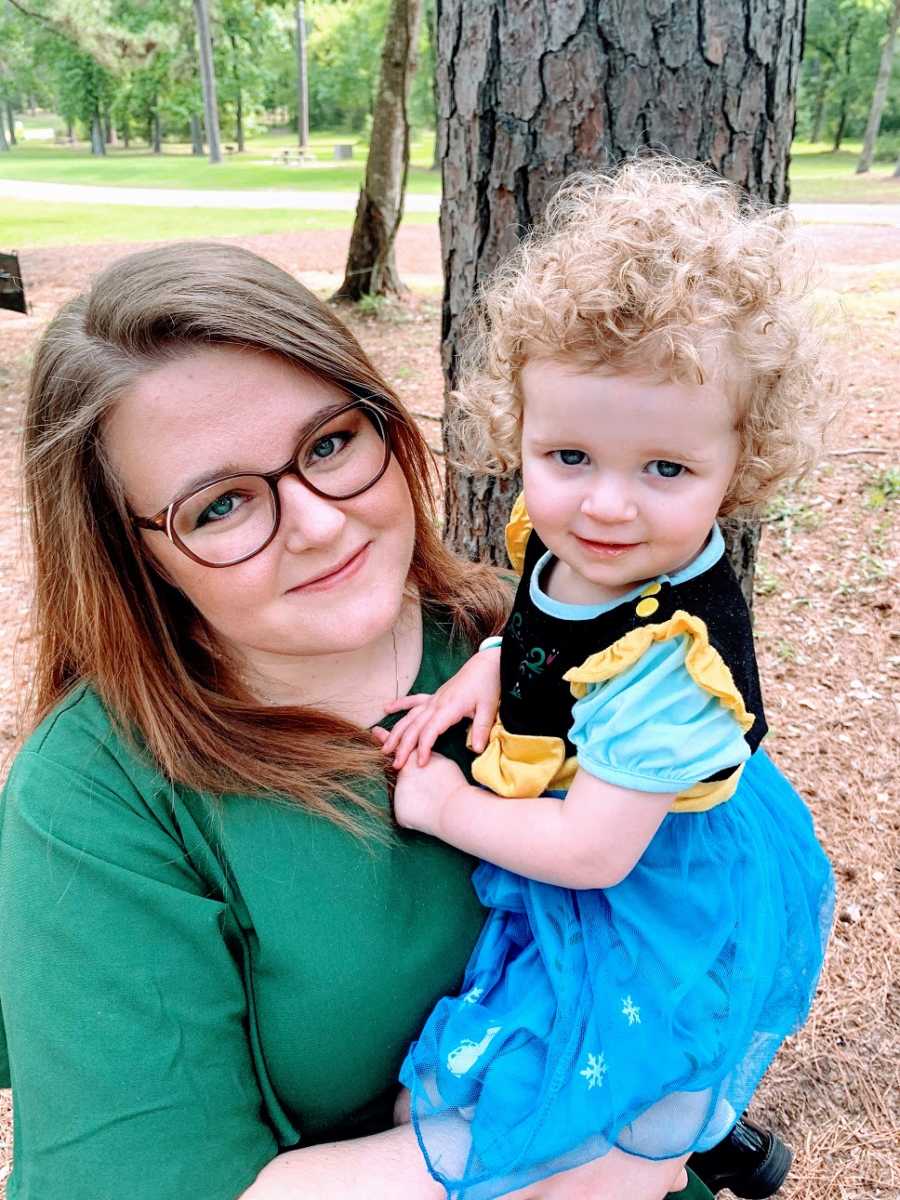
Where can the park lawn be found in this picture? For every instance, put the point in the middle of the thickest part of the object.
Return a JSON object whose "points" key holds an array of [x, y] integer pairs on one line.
{"points": [[820, 175], [26, 224], [176, 167]]}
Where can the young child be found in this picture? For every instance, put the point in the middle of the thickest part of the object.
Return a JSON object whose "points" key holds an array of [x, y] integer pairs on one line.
{"points": [[648, 360]]}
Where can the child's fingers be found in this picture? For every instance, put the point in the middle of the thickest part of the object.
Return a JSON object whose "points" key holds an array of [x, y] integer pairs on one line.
{"points": [[410, 737], [398, 730], [439, 720], [380, 735], [482, 724]]}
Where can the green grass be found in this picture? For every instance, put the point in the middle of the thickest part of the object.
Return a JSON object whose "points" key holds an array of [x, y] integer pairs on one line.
{"points": [[23, 224], [821, 176], [176, 167]]}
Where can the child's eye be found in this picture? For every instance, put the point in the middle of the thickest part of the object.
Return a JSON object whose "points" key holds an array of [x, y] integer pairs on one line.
{"points": [[570, 458], [665, 469]]}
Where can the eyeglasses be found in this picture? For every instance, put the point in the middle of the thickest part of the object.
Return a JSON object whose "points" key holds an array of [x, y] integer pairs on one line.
{"points": [[231, 519]]}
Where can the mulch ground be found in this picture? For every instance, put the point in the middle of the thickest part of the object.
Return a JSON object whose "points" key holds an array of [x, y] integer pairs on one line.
{"points": [[829, 646]]}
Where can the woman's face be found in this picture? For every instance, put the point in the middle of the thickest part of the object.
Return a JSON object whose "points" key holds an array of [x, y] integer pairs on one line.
{"points": [[332, 579]]}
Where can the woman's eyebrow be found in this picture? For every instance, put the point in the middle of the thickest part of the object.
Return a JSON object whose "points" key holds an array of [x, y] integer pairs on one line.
{"points": [[233, 468]]}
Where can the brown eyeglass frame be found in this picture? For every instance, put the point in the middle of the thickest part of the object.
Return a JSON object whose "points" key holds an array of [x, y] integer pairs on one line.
{"points": [[163, 522]]}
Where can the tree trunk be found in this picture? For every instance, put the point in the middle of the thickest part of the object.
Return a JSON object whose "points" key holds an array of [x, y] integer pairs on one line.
{"points": [[196, 135], [156, 132], [11, 120], [879, 96], [819, 106], [239, 102], [302, 78], [841, 126], [529, 93], [4, 144], [897, 169], [432, 37], [98, 142], [208, 77], [371, 267]]}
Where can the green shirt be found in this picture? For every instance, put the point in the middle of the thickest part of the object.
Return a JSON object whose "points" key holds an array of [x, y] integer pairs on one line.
{"points": [[189, 986]]}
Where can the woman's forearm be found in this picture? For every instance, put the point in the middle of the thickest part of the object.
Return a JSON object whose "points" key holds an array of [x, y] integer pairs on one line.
{"points": [[381, 1167]]}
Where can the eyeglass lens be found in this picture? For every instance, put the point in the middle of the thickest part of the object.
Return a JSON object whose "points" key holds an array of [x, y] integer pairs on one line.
{"points": [[235, 517]]}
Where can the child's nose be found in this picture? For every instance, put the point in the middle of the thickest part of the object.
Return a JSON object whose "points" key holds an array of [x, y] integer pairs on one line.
{"points": [[608, 500]]}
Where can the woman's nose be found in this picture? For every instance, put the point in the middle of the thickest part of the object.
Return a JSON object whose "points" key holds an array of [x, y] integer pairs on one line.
{"points": [[307, 520], [608, 499]]}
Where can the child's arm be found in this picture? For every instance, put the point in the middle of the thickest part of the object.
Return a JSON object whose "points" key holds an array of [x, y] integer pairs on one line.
{"points": [[591, 839], [474, 691]]}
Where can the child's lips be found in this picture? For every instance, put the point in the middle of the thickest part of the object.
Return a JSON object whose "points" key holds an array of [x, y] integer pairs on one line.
{"points": [[606, 549]]}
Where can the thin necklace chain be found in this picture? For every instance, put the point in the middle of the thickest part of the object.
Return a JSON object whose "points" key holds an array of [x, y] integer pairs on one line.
{"points": [[272, 702]]}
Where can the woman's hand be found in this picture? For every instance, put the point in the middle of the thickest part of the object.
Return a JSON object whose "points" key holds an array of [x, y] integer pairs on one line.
{"points": [[474, 691], [422, 793]]}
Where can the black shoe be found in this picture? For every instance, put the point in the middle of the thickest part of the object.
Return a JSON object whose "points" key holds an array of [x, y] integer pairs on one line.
{"points": [[752, 1162]]}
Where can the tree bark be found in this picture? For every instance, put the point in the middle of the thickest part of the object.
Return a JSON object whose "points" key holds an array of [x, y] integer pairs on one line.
{"points": [[208, 77], [11, 121], [371, 266], [196, 135], [98, 141], [239, 102], [156, 132], [4, 144], [879, 96], [302, 78], [531, 92]]}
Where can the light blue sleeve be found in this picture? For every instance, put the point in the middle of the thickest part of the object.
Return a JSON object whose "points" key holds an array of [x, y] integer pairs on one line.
{"points": [[652, 729]]}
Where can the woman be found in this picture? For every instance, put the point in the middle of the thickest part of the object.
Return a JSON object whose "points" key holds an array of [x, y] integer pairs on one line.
{"points": [[215, 947]]}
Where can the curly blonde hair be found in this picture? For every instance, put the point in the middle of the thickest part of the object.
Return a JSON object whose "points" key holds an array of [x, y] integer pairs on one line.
{"points": [[663, 269]]}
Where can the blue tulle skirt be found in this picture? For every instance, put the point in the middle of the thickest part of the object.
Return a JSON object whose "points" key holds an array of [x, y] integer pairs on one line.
{"points": [[640, 1016]]}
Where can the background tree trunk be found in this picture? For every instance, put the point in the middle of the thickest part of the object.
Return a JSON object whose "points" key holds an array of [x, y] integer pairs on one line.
{"points": [[208, 77], [156, 132], [4, 144], [196, 135], [302, 78], [879, 96], [529, 93], [98, 141], [11, 121], [371, 267], [239, 96]]}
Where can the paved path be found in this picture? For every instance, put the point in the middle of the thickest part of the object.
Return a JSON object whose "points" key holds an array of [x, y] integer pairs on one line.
{"points": [[22, 189], [76, 193]]}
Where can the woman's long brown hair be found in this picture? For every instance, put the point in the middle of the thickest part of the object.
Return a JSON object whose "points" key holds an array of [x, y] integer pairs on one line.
{"points": [[105, 617]]}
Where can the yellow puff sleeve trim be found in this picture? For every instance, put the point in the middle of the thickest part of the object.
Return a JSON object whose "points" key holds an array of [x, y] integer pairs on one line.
{"points": [[704, 663], [518, 530]]}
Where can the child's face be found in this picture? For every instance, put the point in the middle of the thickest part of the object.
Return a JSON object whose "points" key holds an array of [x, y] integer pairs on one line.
{"points": [[623, 476]]}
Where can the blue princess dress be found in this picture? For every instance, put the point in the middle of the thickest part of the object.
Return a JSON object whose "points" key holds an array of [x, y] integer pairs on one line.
{"points": [[643, 1015]]}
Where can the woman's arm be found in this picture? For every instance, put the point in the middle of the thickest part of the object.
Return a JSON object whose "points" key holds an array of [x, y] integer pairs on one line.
{"points": [[592, 840]]}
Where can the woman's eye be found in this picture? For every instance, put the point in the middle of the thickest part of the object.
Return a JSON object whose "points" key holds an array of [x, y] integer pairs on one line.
{"points": [[328, 446], [665, 469], [223, 506], [570, 458]]}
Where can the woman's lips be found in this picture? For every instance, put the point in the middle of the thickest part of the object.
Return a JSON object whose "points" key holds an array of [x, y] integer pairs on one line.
{"points": [[347, 569], [606, 549]]}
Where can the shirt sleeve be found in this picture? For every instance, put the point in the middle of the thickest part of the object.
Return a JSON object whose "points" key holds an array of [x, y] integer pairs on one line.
{"points": [[653, 729], [122, 999]]}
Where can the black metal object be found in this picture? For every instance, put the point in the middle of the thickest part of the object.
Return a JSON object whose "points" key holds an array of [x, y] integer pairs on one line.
{"points": [[12, 290]]}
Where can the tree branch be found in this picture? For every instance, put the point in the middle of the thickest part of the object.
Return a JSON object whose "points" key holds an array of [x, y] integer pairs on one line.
{"points": [[27, 12]]}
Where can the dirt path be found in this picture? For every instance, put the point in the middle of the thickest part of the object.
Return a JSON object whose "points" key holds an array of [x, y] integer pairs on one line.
{"points": [[829, 640]]}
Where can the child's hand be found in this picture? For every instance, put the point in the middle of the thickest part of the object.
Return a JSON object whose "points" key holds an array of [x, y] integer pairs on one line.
{"points": [[421, 793], [474, 691]]}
